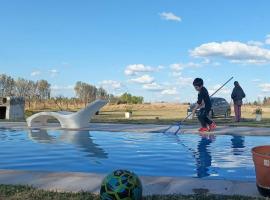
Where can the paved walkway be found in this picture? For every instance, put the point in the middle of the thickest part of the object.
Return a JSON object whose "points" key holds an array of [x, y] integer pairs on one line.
{"points": [[91, 182], [152, 185], [148, 128]]}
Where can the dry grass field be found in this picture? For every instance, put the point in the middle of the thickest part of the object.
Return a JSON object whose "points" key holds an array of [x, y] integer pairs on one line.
{"points": [[159, 113], [147, 111]]}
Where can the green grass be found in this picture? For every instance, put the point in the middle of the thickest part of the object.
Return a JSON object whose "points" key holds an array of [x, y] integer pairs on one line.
{"points": [[19, 192]]}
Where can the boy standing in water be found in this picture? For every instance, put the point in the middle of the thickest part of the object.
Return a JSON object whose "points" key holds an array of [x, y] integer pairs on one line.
{"points": [[204, 103]]}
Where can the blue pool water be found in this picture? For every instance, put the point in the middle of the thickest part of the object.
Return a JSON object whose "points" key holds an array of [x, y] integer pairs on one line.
{"points": [[155, 154]]}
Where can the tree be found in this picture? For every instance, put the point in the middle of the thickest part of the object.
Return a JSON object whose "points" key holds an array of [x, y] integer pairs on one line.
{"points": [[44, 91], [137, 99], [85, 92], [266, 100], [128, 98], [32, 93], [102, 93], [113, 99], [60, 101], [7, 85], [22, 87]]}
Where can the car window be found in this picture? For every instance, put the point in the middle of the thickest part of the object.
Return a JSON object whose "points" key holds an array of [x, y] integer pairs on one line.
{"points": [[215, 103], [218, 102]]}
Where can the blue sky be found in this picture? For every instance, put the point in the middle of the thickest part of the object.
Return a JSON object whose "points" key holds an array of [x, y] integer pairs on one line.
{"points": [[149, 48]]}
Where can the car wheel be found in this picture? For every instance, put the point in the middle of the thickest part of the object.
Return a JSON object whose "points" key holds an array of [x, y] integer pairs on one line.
{"points": [[226, 114]]}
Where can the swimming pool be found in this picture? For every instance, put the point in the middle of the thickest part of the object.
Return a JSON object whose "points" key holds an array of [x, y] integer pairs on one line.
{"points": [[153, 154]]}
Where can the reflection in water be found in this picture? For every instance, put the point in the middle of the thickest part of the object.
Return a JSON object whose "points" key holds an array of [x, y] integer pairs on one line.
{"points": [[41, 136], [237, 144], [203, 155], [81, 139]]}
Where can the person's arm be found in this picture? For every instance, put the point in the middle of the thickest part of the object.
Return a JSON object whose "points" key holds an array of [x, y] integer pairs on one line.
{"points": [[244, 95], [199, 103], [196, 107], [194, 110], [233, 95]]}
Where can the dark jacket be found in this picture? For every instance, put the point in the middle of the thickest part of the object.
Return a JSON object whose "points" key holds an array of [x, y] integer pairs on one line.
{"points": [[204, 96], [237, 95]]}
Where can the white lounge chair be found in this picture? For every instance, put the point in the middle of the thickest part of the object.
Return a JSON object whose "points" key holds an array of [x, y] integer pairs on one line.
{"points": [[68, 120]]}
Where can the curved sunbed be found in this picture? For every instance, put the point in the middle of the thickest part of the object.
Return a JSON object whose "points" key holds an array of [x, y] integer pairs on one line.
{"points": [[68, 120]]}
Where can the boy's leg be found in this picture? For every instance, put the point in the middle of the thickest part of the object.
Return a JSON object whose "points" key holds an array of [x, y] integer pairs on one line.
{"points": [[201, 118], [212, 125], [207, 120]]}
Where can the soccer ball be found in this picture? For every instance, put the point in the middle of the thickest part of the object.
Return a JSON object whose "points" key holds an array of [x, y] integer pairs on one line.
{"points": [[121, 185]]}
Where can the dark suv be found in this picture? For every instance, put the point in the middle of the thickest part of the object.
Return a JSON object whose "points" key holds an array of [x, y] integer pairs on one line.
{"points": [[220, 107]]}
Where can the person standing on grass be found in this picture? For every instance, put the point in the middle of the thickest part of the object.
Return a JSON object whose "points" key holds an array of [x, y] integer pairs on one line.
{"points": [[204, 103], [237, 96]]}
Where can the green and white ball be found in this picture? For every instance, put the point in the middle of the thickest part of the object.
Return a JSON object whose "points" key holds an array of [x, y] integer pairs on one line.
{"points": [[121, 185]]}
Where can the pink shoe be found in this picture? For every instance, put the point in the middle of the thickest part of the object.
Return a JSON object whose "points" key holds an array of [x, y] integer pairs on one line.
{"points": [[212, 126], [203, 129]]}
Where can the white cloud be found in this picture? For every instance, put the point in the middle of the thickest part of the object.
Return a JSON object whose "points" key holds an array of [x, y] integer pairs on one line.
{"points": [[172, 91], [170, 16], [224, 90], [53, 72], [160, 67], [153, 87], [137, 68], [267, 40], [184, 81], [206, 61], [265, 87], [236, 52], [192, 64], [111, 84], [35, 73], [145, 79], [176, 74], [256, 80], [252, 62], [255, 43], [177, 67]]}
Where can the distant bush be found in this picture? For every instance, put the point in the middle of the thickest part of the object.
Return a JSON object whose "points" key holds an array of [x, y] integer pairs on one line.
{"points": [[258, 111], [127, 98]]}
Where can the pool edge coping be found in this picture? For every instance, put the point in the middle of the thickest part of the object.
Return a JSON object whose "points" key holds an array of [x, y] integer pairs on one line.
{"points": [[78, 181], [149, 128]]}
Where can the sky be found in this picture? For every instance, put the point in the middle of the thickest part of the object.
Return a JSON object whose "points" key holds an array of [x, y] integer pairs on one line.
{"points": [[151, 48]]}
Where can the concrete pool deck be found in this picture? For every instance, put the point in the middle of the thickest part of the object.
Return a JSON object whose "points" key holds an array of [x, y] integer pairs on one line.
{"points": [[152, 185], [75, 182], [150, 128]]}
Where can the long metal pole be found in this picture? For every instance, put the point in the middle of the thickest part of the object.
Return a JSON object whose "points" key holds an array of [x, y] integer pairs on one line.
{"points": [[211, 96], [191, 112], [221, 86]]}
